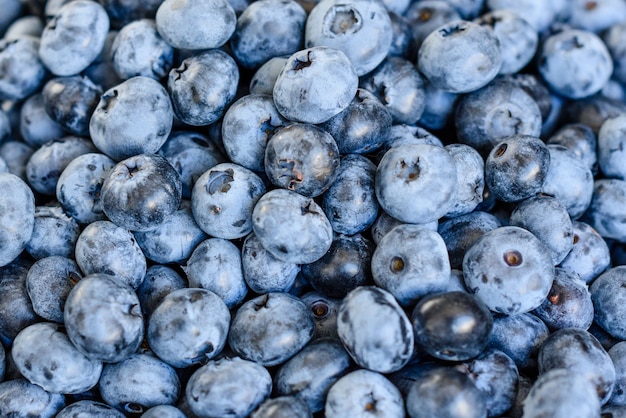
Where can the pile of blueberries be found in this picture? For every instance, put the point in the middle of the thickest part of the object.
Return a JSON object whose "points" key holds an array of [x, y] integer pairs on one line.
{"points": [[302, 208]]}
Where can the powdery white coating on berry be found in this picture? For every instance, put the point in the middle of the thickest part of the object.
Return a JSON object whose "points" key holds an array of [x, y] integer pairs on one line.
{"points": [[609, 299], [589, 256], [23, 72], [470, 169], [21, 398], [17, 216]]}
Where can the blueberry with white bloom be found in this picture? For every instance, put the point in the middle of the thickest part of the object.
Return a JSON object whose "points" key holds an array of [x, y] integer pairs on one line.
{"points": [[163, 411], [23, 72], [158, 283], [203, 86], [416, 183], [44, 355], [103, 247], [439, 106], [281, 207], [402, 40], [470, 170], [605, 211], [215, 265], [101, 71], [263, 272], [460, 56], [614, 39], [119, 136], [103, 318], [19, 398], [36, 126], [17, 217], [426, 15], [89, 408], [315, 84], [138, 383], [589, 256], [196, 24], [80, 184], [16, 309], [188, 327], [282, 407], [262, 81], [228, 387], [610, 148], [364, 393], [15, 154], [607, 295], [258, 321], [141, 192], [48, 283], [575, 63], [539, 14], [402, 134], [138, 49], [74, 37]]}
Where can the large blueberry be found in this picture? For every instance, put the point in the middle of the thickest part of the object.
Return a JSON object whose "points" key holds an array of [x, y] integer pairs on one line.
{"points": [[17, 216], [54, 233], [23, 72]]}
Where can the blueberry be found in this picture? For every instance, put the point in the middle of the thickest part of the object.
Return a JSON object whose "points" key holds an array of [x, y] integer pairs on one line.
{"points": [[410, 262], [36, 126], [610, 145], [589, 256], [23, 72], [360, 29], [516, 167], [16, 155], [119, 136], [16, 309], [309, 235], [102, 71], [138, 383], [605, 210], [282, 407], [364, 393], [385, 223], [470, 179], [223, 198], [21, 399], [141, 192], [103, 247], [252, 44], [188, 326], [315, 84], [196, 24], [17, 217], [324, 311], [562, 393], [416, 183], [79, 187], [163, 411], [439, 106], [312, 371], [228, 387], [45, 356], [259, 320], [139, 50], [581, 140], [368, 345], [592, 111], [607, 293], [447, 393], [158, 283], [426, 15], [575, 63], [48, 283], [617, 354], [460, 56], [215, 265], [74, 37], [538, 13], [402, 41], [203, 86], [577, 350], [262, 82], [614, 38], [89, 408], [509, 269], [596, 17]]}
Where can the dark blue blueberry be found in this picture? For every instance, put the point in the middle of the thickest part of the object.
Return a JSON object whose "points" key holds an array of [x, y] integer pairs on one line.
{"points": [[509, 269], [350, 202], [103, 318], [402, 42], [308, 236], [89, 408], [375, 330], [577, 350], [158, 283], [575, 63], [48, 282], [361, 29], [253, 44], [103, 247], [310, 373], [127, 11], [46, 357], [45, 165], [141, 192], [36, 126], [451, 325], [12, 10], [485, 117], [74, 37], [324, 310], [460, 56], [258, 321], [23, 72], [315, 84], [21, 399], [416, 183], [196, 24], [592, 111], [215, 265], [439, 106], [517, 167], [607, 294], [343, 268], [263, 272], [16, 309], [385, 223], [589, 256], [519, 337], [446, 393], [228, 387], [188, 327], [410, 262], [138, 383], [363, 126], [101, 71], [133, 117], [17, 217], [203, 86], [364, 393], [138, 49], [282, 407], [79, 187], [222, 200]]}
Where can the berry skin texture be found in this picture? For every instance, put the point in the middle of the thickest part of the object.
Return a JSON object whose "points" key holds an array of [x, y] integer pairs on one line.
{"points": [[17, 217]]}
